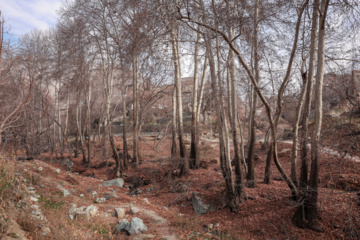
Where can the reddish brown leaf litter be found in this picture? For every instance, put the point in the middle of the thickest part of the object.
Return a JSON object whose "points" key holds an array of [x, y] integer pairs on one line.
{"points": [[265, 215]]}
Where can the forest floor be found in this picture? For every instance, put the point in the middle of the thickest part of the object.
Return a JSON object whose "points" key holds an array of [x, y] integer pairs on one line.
{"points": [[265, 215]]}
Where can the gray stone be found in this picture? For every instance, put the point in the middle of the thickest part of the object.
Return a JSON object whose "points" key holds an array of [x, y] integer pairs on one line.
{"points": [[94, 194], [120, 212], [57, 170], [122, 225], [107, 197], [88, 190], [31, 189], [136, 226], [74, 210], [36, 213], [81, 195], [198, 205], [64, 161], [45, 230], [66, 193], [119, 182], [134, 210], [100, 200], [92, 210], [33, 199], [69, 166], [40, 169], [82, 216]]}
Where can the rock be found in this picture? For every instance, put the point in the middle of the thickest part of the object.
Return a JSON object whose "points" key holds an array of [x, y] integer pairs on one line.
{"points": [[107, 197], [217, 225], [31, 189], [100, 200], [120, 212], [146, 200], [40, 169], [92, 210], [66, 193], [36, 207], [74, 210], [119, 182], [36, 213], [33, 199], [122, 225], [69, 166], [45, 230], [210, 226], [149, 189], [134, 210], [136, 226], [154, 218], [198, 205], [82, 216], [64, 161], [57, 170], [88, 190], [94, 194], [81, 195]]}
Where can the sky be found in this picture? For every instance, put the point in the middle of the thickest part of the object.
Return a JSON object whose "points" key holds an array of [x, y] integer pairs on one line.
{"points": [[23, 15]]}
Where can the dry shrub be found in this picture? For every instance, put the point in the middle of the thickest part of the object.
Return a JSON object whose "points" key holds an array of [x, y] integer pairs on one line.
{"points": [[27, 223]]}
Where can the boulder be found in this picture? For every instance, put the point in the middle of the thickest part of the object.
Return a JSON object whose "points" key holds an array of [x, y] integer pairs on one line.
{"points": [[92, 210], [100, 200], [136, 226], [198, 205], [57, 170], [120, 212], [66, 193], [82, 216], [122, 225], [134, 210], [119, 182]]}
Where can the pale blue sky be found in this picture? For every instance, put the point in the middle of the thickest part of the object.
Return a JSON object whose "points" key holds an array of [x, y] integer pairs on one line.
{"points": [[23, 15]]}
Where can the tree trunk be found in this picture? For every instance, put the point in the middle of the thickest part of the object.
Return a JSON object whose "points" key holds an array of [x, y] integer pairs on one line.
{"points": [[136, 158], [295, 145], [307, 108], [173, 129], [194, 158], [251, 153], [307, 214], [183, 154], [125, 146]]}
